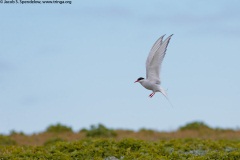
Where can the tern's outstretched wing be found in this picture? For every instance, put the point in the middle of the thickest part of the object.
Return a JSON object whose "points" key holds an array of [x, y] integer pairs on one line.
{"points": [[155, 58]]}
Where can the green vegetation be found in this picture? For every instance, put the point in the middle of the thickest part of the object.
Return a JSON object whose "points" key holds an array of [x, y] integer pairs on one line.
{"points": [[54, 140], [193, 141], [58, 128], [195, 126], [128, 149], [12, 132], [100, 131], [146, 130], [5, 140]]}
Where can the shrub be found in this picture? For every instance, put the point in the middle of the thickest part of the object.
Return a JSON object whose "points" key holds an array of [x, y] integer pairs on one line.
{"points": [[58, 128], [5, 140], [109, 149], [13, 132], [100, 131], [194, 126], [144, 130], [53, 141], [83, 130]]}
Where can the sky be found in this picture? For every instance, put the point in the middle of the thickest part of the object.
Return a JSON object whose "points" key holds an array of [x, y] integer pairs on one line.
{"points": [[76, 64]]}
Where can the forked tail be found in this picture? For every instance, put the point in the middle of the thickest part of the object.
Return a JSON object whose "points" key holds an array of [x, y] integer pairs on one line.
{"points": [[165, 95]]}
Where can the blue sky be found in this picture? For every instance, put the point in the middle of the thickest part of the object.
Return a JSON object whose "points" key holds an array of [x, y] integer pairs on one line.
{"points": [[76, 64]]}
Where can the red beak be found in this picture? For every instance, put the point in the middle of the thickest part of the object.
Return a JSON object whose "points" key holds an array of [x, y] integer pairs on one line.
{"points": [[136, 81]]}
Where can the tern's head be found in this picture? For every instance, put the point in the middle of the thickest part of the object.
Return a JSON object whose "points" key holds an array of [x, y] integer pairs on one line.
{"points": [[139, 79]]}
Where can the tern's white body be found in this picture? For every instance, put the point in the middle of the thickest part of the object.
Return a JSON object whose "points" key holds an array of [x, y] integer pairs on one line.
{"points": [[153, 67], [152, 86]]}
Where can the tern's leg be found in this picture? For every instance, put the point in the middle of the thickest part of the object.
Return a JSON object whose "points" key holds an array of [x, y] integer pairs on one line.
{"points": [[151, 95]]}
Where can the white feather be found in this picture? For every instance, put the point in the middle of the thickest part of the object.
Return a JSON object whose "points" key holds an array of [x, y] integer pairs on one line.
{"points": [[155, 58]]}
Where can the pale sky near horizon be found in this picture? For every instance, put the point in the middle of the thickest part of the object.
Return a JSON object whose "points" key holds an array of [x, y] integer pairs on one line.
{"points": [[75, 64]]}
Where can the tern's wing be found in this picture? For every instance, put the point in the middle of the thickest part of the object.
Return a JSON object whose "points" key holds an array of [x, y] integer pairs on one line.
{"points": [[155, 58]]}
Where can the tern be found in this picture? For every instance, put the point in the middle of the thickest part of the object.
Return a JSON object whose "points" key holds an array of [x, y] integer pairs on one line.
{"points": [[153, 67]]}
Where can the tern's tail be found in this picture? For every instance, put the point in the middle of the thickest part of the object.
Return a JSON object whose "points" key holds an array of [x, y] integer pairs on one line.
{"points": [[165, 95]]}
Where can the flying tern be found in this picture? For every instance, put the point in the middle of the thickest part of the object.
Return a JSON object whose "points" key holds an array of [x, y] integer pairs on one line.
{"points": [[153, 67]]}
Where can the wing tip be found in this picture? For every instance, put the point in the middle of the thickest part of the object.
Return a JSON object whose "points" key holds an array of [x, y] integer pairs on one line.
{"points": [[165, 35], [171, 35], [167, 39]]}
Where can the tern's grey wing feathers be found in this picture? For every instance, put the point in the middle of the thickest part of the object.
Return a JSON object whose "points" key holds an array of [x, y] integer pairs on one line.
{"points": [[155, 58], [153, 50]]}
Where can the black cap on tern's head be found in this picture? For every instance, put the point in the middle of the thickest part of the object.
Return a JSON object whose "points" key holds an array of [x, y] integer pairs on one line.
{"points": [[139, 79]]}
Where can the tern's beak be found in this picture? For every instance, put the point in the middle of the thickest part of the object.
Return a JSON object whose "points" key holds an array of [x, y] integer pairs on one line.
{"points": [[136, 81]]}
